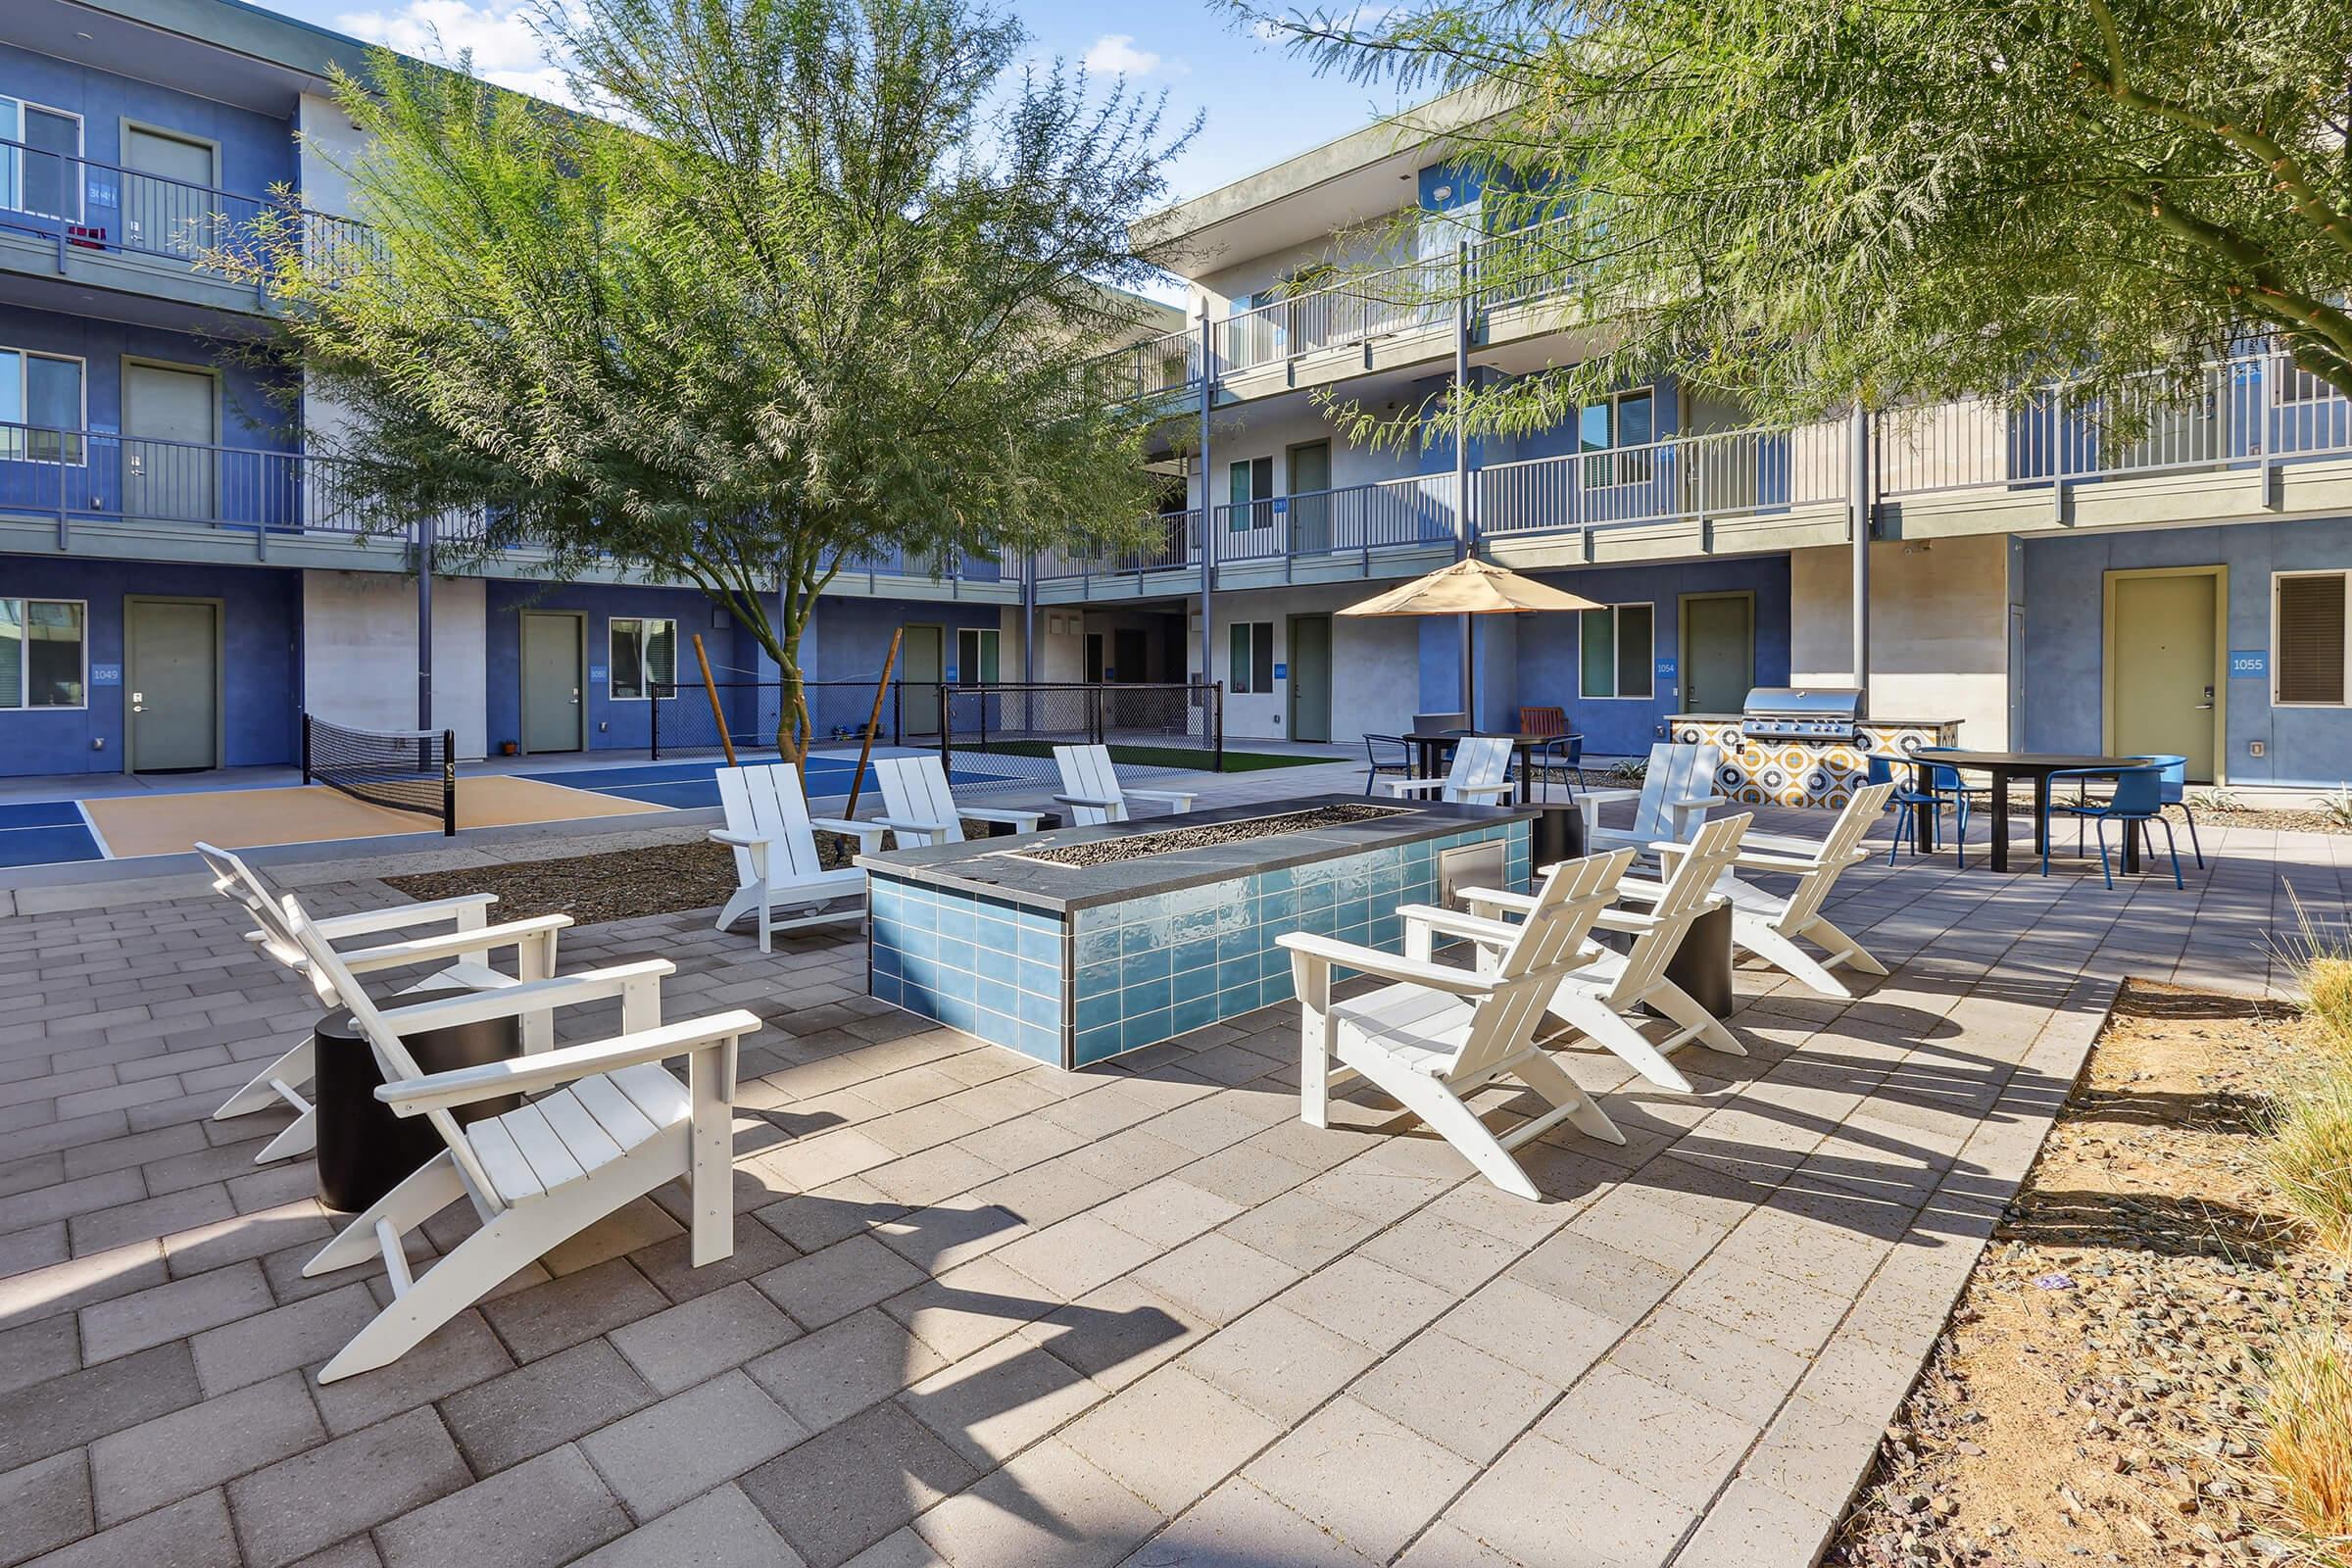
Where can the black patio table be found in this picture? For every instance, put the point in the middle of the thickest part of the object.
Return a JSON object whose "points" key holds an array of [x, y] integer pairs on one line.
{"points": [[2004, 766], [1429, 744]]}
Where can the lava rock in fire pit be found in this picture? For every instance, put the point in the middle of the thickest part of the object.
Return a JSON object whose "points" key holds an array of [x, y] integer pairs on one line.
{"points": [[1136, 847]]}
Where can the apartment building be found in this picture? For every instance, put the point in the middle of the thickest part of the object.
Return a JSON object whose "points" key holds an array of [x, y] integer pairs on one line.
{"points": [[180, 580], [2050, 586]]}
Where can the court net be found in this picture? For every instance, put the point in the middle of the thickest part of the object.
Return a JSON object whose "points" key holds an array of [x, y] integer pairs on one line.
{"points": [[686, 723], [406, 770]]}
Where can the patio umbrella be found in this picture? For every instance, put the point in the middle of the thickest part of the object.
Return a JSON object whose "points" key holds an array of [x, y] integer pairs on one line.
{"points": [[1470, 587]]}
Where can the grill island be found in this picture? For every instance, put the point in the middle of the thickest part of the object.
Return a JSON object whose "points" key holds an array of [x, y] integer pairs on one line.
{"points": [[1804, 745], [1169, 924]]}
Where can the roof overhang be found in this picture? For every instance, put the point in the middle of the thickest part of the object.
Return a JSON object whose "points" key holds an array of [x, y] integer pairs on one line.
{"points": [[253, 58]]}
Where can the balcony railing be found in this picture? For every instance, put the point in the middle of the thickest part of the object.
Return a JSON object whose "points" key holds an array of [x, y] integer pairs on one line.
{"points": [[1412, 297], [91, 476], [1415, 510], [84, 205], [1151, 369], [1682, 478], [1173, 540]]}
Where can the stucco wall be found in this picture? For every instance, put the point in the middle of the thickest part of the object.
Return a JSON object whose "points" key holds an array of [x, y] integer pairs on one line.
{"points": [[359, 639], [247, 416], [1938, 630], [256, 152]]}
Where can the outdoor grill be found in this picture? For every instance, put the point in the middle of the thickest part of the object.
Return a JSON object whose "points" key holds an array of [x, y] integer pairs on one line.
{"points": [[1801, 714]]}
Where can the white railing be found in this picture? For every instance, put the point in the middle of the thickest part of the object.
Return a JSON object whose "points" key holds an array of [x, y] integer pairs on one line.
{"points": [[1682, 478], [1414, 297], [1416, 510], [1173, 540], [1151, 369]]}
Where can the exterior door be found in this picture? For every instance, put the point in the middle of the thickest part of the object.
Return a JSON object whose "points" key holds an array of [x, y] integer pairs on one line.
{"points": [[1094, 658], [168, 205], [922, 656], [1310, 677], [170, 419], [553, 716], [1310, 497], [2162, 667], [173, 649], [1719, 652], [1130, 658]]}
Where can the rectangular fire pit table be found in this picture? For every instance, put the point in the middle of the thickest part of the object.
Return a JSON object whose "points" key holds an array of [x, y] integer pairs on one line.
{"points": [[1074, 962]]}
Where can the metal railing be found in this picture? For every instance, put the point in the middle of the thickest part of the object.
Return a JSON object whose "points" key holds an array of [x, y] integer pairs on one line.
{"points": [[1412, 297], [1174, 541], [1682, 478], [1151, 369], [85, 204], [899, 562], [2245, 413], [1352, 519], [93, 475]]}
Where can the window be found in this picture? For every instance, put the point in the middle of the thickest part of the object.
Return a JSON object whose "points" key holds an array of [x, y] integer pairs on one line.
{"points": [[1250, 488], [43, 174], [645, 655], [1606, 429], [40, 401], [975, 656], [1614, 650], [1249, 661], [42, 649], [2308, 638]]}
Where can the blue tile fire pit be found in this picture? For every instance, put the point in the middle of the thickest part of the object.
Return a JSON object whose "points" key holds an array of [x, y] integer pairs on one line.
{"points": [[1080, 944]]}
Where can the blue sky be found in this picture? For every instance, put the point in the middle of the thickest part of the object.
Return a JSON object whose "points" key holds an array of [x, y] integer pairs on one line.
{"points": [[1261, 104]]}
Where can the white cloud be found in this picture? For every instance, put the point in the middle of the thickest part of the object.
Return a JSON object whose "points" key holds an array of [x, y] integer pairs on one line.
{"points": [[1114, 54], [504, 47]]}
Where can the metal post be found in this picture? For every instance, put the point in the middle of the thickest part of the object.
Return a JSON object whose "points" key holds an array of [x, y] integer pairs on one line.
{"points": [[1461, 461], [1208, 384], [449, 783], [1858, 487], [1029, 619], [424, 624]]}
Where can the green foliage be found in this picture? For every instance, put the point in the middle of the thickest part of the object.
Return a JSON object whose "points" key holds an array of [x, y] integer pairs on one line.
{"points": [[1796, 206], [807, 280]]}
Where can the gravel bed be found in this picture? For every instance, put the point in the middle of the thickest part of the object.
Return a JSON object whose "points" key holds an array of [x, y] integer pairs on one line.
{"points": [[618, 885], [1136, 847]]}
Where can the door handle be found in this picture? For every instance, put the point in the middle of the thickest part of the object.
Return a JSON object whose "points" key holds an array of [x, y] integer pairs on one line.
{"points": [[2207, 704]]}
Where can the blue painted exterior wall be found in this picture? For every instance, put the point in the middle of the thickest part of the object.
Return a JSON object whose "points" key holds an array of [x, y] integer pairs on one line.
{"points": [[2066, 640], [256, 151], [260, 634], [247, 416]]}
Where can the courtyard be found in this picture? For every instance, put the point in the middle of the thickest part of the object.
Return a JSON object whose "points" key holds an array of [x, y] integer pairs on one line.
{"points": [[982, 1312]]}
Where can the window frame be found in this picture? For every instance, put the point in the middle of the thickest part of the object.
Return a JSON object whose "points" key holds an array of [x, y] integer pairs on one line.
{"points": [[80, 445], [612, 625], [985, 640], [1609, 458], [24, 654], [1259, 636], [80, 156], [2277, 666], [1617, 692]]}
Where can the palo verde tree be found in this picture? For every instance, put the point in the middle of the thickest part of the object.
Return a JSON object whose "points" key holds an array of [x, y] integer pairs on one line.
{"points": [[1805, 205], [802, 282]]}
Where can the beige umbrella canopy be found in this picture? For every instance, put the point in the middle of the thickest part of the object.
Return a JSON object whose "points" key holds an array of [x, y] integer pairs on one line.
{"points": [[1470, 587]]}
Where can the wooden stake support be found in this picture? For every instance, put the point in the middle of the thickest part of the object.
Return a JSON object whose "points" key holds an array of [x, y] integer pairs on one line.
{"points": [[710, 689], [867, 749]]}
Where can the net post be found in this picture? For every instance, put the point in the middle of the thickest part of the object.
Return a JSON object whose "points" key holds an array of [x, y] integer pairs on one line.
{"points": [[653, 721], [947, 747], [305, 748], [1217, 711], [449, 783]]}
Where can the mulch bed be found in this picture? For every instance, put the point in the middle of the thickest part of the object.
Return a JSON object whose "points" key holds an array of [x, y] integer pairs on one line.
{"points": [[618, 885], [2094, 1397]]}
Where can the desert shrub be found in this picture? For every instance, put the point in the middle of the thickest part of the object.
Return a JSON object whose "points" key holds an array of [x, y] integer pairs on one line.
{"points": [[1629, 770], [2212, 799], [2307, 1441], [2307, 1154], [2337, 807]]}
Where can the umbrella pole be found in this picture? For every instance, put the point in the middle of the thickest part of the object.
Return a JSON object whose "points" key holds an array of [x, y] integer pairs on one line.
{"points": [[1470, 671]]}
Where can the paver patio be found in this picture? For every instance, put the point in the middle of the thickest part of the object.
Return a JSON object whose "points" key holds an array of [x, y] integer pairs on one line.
{"points": [[985, 1313]]}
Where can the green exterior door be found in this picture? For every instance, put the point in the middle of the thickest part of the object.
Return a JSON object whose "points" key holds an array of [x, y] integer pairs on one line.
{"points": [[171, 420], [554, 716], [922, 661], [172, 648], [2163, 672], [172, 210], [1719, 652], [1310, 677], [1310, 497]]}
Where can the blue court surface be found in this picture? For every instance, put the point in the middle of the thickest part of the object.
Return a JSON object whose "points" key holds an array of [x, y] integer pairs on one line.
{"points": [[686, 785], [46, 833]]}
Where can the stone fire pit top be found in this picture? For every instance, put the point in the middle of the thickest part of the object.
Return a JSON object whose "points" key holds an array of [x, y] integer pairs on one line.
{"points": [[1011, 868]]}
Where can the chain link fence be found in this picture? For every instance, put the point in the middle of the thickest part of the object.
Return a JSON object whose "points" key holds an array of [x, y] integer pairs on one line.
{"points": [[686, 724]]}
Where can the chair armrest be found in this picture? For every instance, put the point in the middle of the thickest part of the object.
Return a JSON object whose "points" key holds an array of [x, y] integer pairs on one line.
{"points": [[906, 824], [1495, 899], [848, 827], [400, 916], [1501, 792], [532, 996], [742, 841], [1640, 890], [452, 944], [549, 1069], [1387, 965], [1630, 922], [1182, 800], [1097, 801], [1460, 923], [1407, 786], [1690, 800], [1025, 821], [1781, 843], [1776, 862]]}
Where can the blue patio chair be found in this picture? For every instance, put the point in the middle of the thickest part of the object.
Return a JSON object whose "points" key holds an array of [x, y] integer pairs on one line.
{"points": [[2172, 789], [1402, 766], [2136, 800], [1564, 754], [1908, 799]]}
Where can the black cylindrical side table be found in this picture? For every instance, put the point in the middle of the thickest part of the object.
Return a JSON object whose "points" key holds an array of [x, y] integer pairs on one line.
{"points": [[1702, 965], [365, 1151], [1556, 834]]}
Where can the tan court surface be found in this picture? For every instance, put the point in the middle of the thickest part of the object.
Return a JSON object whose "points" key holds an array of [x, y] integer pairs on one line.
{"points": [[171, 824]]}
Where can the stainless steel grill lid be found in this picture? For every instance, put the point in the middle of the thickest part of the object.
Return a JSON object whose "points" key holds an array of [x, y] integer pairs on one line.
{"points": [[1802, 713]]}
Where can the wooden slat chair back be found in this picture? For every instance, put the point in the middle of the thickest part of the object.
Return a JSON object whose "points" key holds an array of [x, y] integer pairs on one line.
{"points": [[1839, 850], [1689, 893], [1091, 788], [608, 1123], [777, 861], [1435, 1035], [915, 788], [1480, 763], [1542, 721], [1676, 789], [767, 802]]}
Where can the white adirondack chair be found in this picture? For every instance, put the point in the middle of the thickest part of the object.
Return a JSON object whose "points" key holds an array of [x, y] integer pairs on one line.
{"points": [[1091, 788], [1481, 771], [469, 943], [1598, 998], [608, 1125], [1769, 924], [919, 809], [1435, 1035], [774, 840], [1676, 792]]}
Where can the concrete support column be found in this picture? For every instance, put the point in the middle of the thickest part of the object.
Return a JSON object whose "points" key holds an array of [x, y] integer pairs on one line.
{"points": [[1858, 492], [1208, 511], [1464, 534], [425, 532]]}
